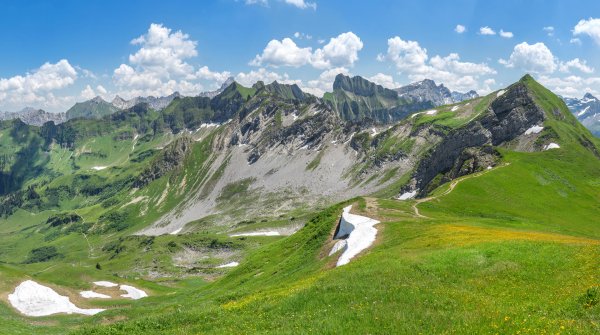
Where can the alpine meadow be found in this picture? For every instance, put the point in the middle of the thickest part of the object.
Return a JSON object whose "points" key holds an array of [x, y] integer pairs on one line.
{"points": [[299, 167]]}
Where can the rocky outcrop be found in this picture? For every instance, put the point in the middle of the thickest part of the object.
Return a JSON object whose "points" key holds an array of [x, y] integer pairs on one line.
{"points": [[171, 158], [427, 91], [509, 116], [34, 117]]}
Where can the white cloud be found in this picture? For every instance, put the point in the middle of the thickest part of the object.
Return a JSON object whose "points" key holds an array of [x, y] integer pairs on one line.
{"points": [[590, 27], [506, 34], [575, 41], [302, 4], [549, 30], [412, 60], [262, 74], [339, 51], [283, 53], [159, 67], [38, 87], [571, 86], [576, 63], [536, 58], [460, 28], [325, 81], [216, 77], [486, 31], [101, 90], [88, 93], [384, 80], [302, 36]]}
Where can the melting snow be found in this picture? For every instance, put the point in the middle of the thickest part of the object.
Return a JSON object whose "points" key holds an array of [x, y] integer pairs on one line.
{"points": [[176, 231], [295, 116], [454, 109], [339, 245], [361, 234], [431, 112], [534, 130], [98, 168], [104, 283], [551, 146], [500, 93], [228, 265], [33, 299], [92, 294], [407, 195], [258, 233], [132, 292]]}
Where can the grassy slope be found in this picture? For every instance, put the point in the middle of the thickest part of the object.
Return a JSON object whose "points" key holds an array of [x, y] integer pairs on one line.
{"points": [[513, 250]]}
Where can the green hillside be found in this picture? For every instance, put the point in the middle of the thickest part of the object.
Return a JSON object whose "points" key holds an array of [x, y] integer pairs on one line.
{"points": [[504, 237]]}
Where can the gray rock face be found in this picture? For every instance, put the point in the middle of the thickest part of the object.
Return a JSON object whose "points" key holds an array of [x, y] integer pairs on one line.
{"points": [[587, 111], [509, 116], [154, 102], [212, 94], [34, 117], [427, 90]]}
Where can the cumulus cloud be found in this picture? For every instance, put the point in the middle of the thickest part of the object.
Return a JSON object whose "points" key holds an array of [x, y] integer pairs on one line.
{"points": [[324, 83], [571, 86], [384, 80], [412, 60], [549, 30], [301, 4], [460, 28], [262, 74], [283, 53], [589, 27], [340, 51], [38, 87], [486, 31], [506, 34], [576, 63], [536, 58], [160, 66], [88, 93]]}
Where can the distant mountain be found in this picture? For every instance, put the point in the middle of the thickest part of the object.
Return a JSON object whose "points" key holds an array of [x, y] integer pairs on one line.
{"points": [[212, 94], [92, 109], [587, 111], [154, 102], [427, 90], [357, 99], [33, 116]]}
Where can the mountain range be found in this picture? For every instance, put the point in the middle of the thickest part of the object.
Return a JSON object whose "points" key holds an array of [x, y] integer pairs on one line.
{"points": [[587, 111], [266, 208]]}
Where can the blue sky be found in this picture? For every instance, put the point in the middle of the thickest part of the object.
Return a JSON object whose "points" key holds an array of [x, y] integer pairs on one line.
{"points": [[55, 53]]}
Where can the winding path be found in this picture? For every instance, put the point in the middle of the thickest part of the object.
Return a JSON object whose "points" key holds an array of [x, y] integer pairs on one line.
{"points": [[450, 189]]}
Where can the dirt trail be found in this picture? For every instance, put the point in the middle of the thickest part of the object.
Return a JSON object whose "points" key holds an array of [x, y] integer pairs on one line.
{"points": [[450, 189]]}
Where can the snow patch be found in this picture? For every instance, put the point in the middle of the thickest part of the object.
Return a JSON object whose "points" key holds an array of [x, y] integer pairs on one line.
{"points": [[583, 111], [228, 265], [360, 235], [454, 109], [104, 283], [132, 292], [407, 195], [500, 93], [339, 245], [176, 231], [92, 294], [258, 233], [431, 112], [33, 299], [551, 146], [98, 168], [534, 130]]}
